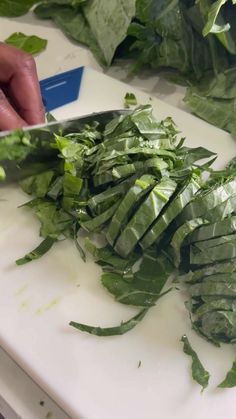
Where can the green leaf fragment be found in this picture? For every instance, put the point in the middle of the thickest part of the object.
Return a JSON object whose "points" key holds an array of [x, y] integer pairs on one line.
{"points": [[124, 327], [38, 252], [123, 212], [54, 221], [181, 235], [230, 379], [144, 216], [2, 173], [207, 232], [31, 44], [199, 374], [37, 185], [198, 274], [130, 100], [177, 204], [208, 200], [219, 252]]}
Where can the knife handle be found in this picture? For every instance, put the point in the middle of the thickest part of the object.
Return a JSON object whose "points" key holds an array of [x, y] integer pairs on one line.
{"points": [[61, 89]]}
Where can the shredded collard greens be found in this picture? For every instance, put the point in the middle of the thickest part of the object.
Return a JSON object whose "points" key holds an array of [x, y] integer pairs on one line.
{"points": [[131, 181]]}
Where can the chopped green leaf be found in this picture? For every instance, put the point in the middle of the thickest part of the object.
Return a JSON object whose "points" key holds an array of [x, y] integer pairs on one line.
{"points": [[38, 252], [130, 100], [124, 327], [230, 379], [199, 374]]}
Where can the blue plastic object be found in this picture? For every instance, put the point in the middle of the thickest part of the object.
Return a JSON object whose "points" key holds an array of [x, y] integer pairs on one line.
{"points": [[61, 89]]}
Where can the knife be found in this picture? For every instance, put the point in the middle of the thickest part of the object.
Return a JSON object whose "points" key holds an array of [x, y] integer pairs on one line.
{"points": [[39, 161]]}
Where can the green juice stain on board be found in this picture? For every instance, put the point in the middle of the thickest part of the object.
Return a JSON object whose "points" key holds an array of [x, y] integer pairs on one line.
{"points": [[51, 304]]}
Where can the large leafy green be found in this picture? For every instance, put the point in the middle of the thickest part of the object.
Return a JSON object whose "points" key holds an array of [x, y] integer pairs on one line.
{"points": [[99, 24]]}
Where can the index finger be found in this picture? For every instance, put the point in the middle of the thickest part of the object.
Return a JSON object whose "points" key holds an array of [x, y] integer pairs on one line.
{"points": [[18, 72]]}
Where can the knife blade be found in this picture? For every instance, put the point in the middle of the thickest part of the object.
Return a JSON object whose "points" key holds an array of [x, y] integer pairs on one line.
{"points": [[71, 124], [39, 161]]}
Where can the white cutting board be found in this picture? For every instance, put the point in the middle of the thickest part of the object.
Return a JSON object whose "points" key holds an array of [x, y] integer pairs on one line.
{"points": [[88, 376]]}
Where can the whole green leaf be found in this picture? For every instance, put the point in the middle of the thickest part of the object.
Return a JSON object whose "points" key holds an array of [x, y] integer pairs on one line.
{"points": [[230, 379], [31, 44], [124, 327], [168, 39], [98, 222], [108, 22], [73, 24], [199, 374]]}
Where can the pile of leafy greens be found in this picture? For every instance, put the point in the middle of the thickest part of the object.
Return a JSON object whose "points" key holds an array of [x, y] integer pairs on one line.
{"points": [[192, 41], [128, 179]]}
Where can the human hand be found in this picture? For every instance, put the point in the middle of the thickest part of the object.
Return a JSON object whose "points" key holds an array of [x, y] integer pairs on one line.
{"points": [[20, 99]]}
